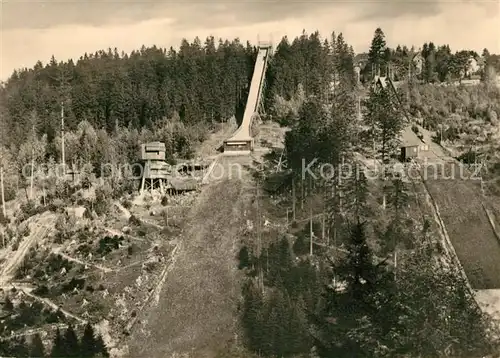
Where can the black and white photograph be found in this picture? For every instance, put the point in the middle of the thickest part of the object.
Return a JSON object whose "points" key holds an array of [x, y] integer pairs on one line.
{"points": [[250, 178]]}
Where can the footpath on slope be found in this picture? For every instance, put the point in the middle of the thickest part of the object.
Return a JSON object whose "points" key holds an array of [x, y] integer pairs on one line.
{"points": [[196, 311], [39, 228]]}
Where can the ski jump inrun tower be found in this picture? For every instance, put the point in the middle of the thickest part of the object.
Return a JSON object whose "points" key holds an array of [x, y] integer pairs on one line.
{"points": [[242, 139]]}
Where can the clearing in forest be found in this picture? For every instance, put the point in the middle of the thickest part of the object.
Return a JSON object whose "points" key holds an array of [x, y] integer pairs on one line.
{"points": [[196, 310]]}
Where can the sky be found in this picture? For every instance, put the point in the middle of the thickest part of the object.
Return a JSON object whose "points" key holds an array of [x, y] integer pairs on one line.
{"points": [[33, 30]]}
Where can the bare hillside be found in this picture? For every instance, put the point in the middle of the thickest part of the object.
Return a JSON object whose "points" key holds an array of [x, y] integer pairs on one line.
{"points": [[196, 310]]}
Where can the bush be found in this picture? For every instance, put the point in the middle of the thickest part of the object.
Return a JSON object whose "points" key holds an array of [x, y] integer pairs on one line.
{"points": [[41, 290], [9, 192], [3, 219], [24, 230], [133, 220], [108, 244], [101, 204], [164, 201], [127, 204]]}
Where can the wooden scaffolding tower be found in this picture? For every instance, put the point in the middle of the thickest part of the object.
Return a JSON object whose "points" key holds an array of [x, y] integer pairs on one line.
{"points": [[155, 169]]}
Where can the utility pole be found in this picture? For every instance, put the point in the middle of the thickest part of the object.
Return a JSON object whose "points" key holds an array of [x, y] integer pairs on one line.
{"points": [[2, 190], [310, 223], [63, 159], [32, 164], [293, 199], [259, 242], [310, 231], [409, 80]]}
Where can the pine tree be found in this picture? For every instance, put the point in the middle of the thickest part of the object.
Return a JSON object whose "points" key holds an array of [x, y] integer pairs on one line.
{"points": [[398, 198], [253, 306], [71, 347], [88, 343], [356, 193], [101, 347], [8, 305], [386, 123], [92, 344], [57, 346], [36, 348], [377, 52], [358, 269]]}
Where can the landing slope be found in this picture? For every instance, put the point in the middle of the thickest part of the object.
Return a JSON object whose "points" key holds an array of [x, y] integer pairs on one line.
{"points": [[459, 203], [196, 313]]}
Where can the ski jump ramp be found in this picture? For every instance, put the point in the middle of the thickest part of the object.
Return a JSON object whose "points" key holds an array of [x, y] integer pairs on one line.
{"points": [[242, 140]]}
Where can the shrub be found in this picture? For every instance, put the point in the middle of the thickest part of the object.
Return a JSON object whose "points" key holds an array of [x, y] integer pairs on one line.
{"points": [[133, 220], [3, 219], [101, 204], [41, 290]]}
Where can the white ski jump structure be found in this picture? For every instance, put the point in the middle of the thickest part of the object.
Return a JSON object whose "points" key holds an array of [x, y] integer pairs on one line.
{"points": [[242, 140]]}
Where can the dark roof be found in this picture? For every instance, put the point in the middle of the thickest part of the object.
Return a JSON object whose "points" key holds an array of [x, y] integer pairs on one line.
{"points": [[184, 184]]}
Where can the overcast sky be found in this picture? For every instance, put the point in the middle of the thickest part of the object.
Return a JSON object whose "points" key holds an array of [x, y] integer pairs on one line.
{"points": [[34, 30]]}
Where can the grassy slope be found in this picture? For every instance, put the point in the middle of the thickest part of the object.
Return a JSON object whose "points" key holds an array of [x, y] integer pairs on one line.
{"points": [[459, 203], [197, 309]]}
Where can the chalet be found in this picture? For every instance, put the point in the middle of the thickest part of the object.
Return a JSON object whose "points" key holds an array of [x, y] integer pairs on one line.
{"points": [[411, 145]]}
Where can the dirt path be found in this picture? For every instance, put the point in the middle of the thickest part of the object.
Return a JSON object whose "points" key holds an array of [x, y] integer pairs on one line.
{"points": [[39, 229], [54, 306], [196, 313], [69, 258]]}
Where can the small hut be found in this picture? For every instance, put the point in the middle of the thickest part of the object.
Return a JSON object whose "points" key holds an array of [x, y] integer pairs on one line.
{"points": [[182, 185], [410, 145]]}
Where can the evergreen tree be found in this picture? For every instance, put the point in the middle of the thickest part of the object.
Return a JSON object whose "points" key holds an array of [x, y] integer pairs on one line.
{"points": [[57, 346], [253, 316], [92, 344], [356, 193], [88, 342], [386, 123], [8, 305], [398, 198], [71, 347], [101, 347], [36, 347], [358, 269], [377, 53]]}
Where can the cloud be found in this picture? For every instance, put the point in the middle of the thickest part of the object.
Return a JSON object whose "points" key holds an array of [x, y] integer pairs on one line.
{"points": [[461, 24], [44, 14], [396, 8]]}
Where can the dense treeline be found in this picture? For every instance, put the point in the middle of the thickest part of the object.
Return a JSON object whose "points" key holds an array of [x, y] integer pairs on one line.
{"points": [[358, 307], [201, 83], [438, 62], [63, 345]]}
